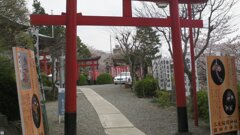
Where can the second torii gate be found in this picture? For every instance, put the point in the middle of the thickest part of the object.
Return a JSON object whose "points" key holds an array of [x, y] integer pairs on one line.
{"points": [[71, 19]]}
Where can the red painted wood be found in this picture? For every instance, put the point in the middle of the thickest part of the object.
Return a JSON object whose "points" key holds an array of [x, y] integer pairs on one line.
{"points": [[93, 63], [113, 21], [127, 8], [177, 55], [193, 68], [71, 57], [129, 21], [86, 65], [45, 64], [38, 19]]}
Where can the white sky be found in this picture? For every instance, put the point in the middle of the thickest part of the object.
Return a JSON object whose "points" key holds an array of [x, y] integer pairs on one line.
{"points": [[95, 36]]}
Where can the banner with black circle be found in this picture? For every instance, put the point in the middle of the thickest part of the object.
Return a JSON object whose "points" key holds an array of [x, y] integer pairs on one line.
{"points": [[222, 94], [28, 92]]}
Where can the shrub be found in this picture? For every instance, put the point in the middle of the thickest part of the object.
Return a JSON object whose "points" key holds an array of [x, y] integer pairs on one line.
{"points": [[104, 78], [8, 90], [82, 80], [139, 88], [163, 98], [150, 86], [146, 87], [203, 112], [149, 76]]}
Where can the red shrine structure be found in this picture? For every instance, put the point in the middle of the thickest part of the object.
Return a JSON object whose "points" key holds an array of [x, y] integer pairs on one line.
{"points": [[92, 67], [44, 63], [71, 19], [45, 59]]}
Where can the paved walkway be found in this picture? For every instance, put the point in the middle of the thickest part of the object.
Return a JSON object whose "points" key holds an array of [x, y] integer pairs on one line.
{"points": [[113, 121], [114, 110]]}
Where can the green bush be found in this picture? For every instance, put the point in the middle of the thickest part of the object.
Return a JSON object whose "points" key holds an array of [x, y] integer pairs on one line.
{"points": [[163, 98], [139, 88], [203, 112], [149, 77], [82, 80], [8, 90], [146, 87], [104, 78]]}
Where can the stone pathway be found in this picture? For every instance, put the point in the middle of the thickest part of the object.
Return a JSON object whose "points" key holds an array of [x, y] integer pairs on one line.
{"points": [[113, 121]]}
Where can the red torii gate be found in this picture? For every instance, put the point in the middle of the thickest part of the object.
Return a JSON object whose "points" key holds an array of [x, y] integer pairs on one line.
{"points": [[92, 63], [71, 19]]}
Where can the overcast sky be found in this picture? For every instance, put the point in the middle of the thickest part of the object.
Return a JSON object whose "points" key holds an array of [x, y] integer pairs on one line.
{"points": [[97, 37]]}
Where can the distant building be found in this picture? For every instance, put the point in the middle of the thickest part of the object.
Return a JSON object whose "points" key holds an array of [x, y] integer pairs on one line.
{"points": [[116, 63]]}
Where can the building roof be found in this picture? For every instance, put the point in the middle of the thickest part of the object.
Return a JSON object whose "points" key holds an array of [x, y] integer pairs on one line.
{"points": [[89, 59]]}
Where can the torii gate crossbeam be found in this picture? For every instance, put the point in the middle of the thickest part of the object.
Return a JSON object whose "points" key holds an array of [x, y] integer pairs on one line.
{"points": [[71, 19], [112, 21]]}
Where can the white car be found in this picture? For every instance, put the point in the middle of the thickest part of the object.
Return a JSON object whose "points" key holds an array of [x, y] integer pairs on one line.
{"points": [[123, 78]]}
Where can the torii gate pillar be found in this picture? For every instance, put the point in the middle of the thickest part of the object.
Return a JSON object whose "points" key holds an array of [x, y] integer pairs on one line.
{"points": [[71, 68], [178, 68]]}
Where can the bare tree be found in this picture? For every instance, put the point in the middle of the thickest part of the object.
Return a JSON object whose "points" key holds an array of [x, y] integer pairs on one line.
{"points": [[232, 48], [215, 14], [127, 42]]}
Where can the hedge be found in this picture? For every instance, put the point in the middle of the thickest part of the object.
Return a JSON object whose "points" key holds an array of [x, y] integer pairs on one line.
{"points": [[146, 87], [82, 80], [104, 78], [203, 111], [8, 90], [163, 98]]}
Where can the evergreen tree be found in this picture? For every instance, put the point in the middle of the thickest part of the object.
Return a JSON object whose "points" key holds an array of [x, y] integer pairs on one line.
{"points": [[13, 18], [14, 10], [148, 46], [38, 9], [83, 51]]}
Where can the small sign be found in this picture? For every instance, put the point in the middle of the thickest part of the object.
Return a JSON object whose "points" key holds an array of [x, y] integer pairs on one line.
{"points": [[222, 94], [28, 92], [61, 101]]}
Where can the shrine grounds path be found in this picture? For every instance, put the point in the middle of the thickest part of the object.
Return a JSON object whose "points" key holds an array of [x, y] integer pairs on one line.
{"points": [[141, 112]]}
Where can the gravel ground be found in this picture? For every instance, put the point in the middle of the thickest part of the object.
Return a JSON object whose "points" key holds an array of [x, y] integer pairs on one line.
{"points": [[146, 116], [87, 124]]}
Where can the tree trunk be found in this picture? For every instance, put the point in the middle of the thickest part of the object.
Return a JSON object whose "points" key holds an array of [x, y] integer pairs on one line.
{"points": [[190, 99], [145, 70]]}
